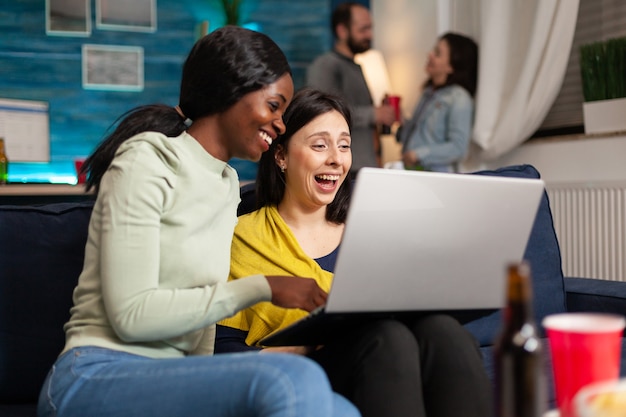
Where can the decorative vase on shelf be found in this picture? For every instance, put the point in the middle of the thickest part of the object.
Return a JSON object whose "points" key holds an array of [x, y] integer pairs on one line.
{"points": [[603, 74]]}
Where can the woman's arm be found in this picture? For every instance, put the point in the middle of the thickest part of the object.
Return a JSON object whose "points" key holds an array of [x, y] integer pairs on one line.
{"points": [[146, 296]]}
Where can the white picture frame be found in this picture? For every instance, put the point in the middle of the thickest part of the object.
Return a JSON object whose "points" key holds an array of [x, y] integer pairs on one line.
{"points": [[126, 15], [25, 127], [113, 67], [68, 18]]}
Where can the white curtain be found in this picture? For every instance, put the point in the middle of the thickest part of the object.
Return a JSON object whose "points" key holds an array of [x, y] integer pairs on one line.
{"points": [[524, 49]]}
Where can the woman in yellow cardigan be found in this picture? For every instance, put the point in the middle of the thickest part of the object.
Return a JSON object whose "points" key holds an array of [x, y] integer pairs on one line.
{"points": [[425, 367]]}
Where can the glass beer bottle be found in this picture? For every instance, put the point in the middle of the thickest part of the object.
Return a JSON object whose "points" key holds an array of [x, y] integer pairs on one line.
{"points": [[518, 358], [4, 164]]}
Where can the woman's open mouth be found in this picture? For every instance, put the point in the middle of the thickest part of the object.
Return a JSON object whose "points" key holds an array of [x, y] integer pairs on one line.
{"points": [[327, 180]]}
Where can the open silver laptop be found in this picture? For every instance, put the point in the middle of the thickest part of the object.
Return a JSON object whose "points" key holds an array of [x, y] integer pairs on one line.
{"points": [[419, 242]]}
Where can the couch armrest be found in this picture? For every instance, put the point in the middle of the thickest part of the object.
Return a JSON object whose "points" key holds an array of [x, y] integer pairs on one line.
{"points": [[596, 295]]}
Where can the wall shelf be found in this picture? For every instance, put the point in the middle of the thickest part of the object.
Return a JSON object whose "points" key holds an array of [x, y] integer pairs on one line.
{"points": [[21, 194]]}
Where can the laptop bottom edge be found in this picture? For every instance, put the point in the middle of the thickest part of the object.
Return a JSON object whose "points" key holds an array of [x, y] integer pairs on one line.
{"points": [[323, 328]]}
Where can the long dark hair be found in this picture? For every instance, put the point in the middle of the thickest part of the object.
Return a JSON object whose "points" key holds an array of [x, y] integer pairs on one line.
{"points": [[221, 68], [307, 104], [463, 60]]}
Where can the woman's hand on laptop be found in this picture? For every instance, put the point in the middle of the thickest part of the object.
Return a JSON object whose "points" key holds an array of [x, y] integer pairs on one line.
{"points": [[296, 292]]}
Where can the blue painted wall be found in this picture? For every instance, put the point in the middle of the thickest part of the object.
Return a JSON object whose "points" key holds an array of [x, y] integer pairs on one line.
{"points": [[34, 66]]}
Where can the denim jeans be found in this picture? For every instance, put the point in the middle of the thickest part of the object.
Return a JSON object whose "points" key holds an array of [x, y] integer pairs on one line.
{"points": [[92, 381]]}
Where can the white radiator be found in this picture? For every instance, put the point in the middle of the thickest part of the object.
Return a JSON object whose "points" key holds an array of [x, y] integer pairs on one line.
{"points": [[590, 223]]}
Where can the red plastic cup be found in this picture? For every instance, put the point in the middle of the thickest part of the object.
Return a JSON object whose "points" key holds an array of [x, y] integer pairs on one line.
{"points": [[394, 101], [82, 177], [585, 348]]}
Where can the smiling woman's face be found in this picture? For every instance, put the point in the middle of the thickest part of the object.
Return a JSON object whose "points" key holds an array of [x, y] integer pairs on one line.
{"points": [[250, 125], [317, 160]]}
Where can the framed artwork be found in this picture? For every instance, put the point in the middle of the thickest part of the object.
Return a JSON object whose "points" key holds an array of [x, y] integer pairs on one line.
{"points": [[116, 68], [135, 15], [68, 17], [25, 127]]}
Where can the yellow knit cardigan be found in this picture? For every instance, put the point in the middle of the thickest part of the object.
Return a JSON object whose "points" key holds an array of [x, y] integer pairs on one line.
{"points": [[264, 244]]}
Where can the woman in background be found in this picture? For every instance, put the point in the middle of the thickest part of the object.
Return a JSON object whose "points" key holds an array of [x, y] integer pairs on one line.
{"points": [[437, 137], [141, 334], [428, 366]]}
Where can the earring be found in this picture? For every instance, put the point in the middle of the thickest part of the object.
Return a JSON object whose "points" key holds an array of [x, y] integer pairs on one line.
{"points": [[282, 169]]}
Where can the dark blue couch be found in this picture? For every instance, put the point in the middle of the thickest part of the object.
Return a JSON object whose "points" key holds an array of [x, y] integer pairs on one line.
{"points": [[41, 255]]}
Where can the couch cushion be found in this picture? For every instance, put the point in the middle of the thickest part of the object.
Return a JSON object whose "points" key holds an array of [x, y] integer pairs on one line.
{"points": [[247, 192], [544, 256], [18, 410], [41, 256], [597, 295]]}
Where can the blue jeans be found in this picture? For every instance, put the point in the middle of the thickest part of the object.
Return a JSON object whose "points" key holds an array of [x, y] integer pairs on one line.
{"points": [[92, 381]]}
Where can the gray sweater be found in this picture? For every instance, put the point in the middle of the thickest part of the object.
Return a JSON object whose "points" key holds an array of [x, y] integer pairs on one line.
{"points": [[338, 74]]}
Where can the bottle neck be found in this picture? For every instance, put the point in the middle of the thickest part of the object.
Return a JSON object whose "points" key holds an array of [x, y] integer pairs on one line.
{"points": [[518, 309], [516, 315]]}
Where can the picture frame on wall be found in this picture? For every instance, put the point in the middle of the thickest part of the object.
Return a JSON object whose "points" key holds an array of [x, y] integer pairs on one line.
{"points": [[113, 67], [68, 18], [125, 15]]}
